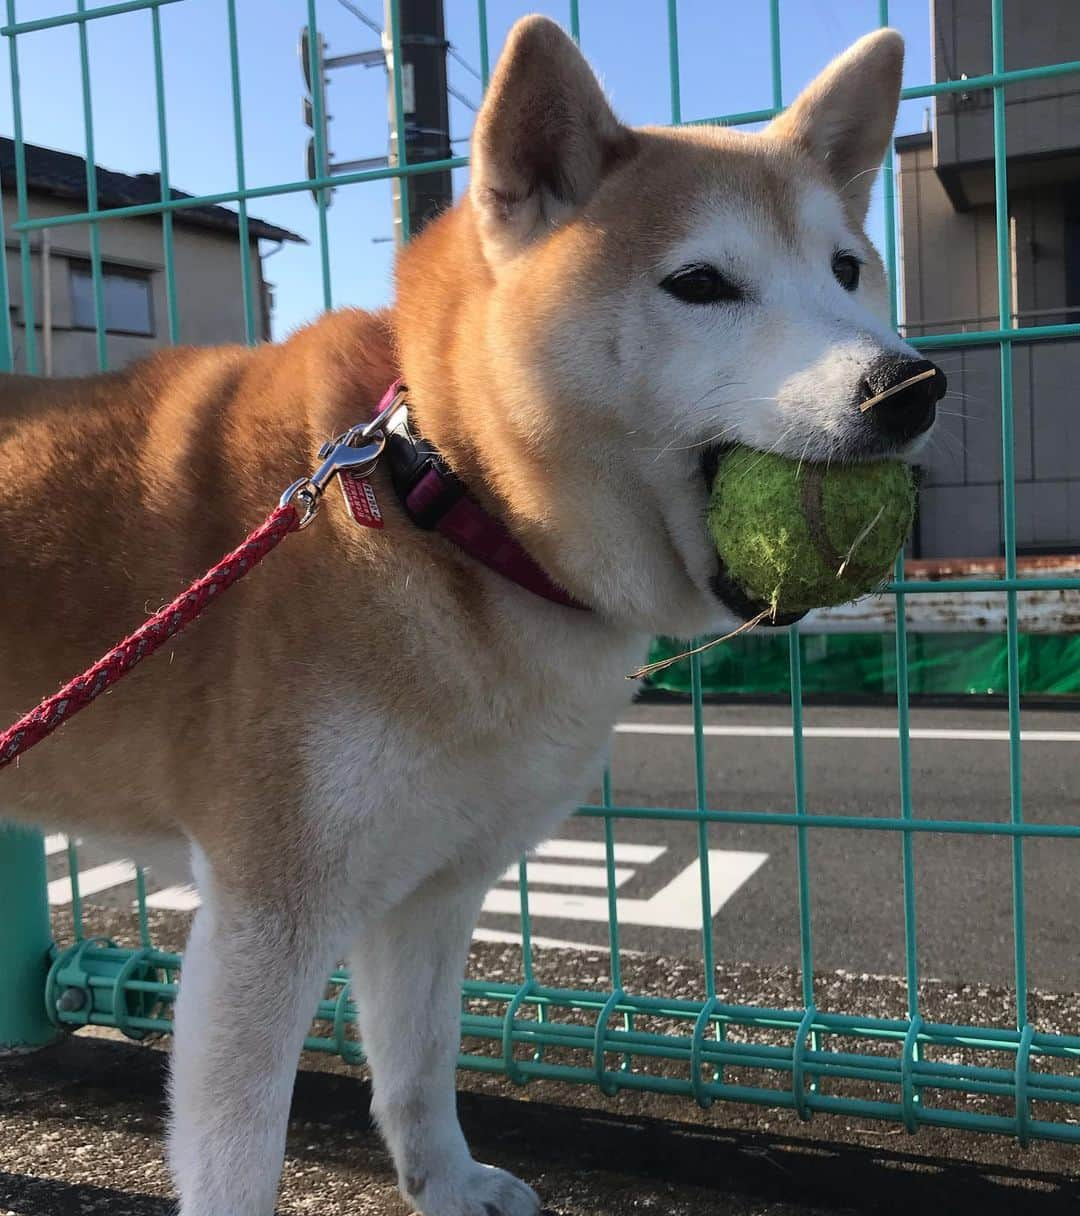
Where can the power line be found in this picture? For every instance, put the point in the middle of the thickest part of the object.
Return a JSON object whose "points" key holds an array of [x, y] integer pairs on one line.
{"points": [[361, 16], [452, 51], [461, 97]]}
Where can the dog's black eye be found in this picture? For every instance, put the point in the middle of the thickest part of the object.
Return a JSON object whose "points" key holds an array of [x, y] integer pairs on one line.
{"points": [[702, 284], [846, 268]]}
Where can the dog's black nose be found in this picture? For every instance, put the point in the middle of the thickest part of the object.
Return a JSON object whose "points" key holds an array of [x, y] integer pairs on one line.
{"points": [[900, 395]]}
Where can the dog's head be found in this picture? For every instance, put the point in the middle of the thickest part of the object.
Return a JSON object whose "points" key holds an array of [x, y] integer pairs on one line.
{"points": [[638, 298]]}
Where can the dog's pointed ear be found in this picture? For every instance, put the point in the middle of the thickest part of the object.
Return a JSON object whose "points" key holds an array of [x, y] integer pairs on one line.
{"points": [[846, 116], [544, 138]]}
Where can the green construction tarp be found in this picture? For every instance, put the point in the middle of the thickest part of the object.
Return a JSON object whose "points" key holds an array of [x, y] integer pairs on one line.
{"points": [[864, 664]]}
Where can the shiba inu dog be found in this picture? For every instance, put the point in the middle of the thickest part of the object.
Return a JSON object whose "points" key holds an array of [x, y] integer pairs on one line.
{"points": [[360, 737]]}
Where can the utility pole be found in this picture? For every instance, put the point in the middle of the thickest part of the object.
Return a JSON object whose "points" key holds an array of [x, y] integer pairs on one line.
{"points": [[422, 37]]}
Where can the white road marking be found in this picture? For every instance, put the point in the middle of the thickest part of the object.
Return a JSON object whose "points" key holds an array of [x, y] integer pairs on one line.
{"points": [[174, 899], [186, 898], [847, 732], [595, 850], [568, 876], [92, 881], [675, 906], [56, 843], [556, 943]]}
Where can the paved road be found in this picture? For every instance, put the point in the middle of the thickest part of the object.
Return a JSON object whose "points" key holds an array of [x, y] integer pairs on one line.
{"points": [[963, 884], [963, 895]]}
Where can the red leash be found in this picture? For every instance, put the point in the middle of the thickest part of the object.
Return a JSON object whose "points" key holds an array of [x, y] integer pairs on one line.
{"points": [[432, 498], [165, 624], [357, 450]]}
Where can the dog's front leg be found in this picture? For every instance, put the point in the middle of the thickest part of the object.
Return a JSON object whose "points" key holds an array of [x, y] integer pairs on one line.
{"points": [[253, 971], [407, 971]]}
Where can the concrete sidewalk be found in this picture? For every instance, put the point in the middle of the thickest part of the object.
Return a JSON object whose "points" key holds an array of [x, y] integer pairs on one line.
{"points": [[81, 1129]]}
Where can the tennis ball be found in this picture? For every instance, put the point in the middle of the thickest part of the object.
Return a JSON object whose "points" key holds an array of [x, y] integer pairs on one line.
{"points": [[794, 536]]}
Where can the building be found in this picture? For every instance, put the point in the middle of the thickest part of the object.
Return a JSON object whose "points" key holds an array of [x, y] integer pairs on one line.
{"points": [[208, 261], [945, 189]]}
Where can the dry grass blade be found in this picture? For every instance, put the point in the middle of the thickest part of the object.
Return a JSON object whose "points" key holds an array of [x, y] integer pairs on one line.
{"points": [[897, 388], [859, 540], [650, 668]]}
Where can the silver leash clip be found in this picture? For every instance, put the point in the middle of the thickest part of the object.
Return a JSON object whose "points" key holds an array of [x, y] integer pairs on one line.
{"points": [[357, 450]]}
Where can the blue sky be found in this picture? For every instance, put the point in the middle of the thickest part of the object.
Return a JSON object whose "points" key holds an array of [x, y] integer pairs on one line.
{"points": [[724, 52]]}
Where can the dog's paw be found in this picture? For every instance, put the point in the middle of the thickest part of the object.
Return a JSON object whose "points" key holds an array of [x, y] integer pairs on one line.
{"points": [[482, 1190]]}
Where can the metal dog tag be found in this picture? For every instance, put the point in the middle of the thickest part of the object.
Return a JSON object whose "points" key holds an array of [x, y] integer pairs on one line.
{"points": [[360, 500]]}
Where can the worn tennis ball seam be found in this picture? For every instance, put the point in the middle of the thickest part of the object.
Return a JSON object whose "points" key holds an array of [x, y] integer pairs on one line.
{"points": [[813, 505]]}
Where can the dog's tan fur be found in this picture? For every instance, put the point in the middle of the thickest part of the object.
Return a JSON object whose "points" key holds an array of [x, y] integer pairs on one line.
{"points": [[470, 696]]}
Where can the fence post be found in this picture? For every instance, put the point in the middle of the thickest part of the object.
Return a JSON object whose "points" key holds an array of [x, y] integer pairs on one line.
{"points": [[25, 938]]}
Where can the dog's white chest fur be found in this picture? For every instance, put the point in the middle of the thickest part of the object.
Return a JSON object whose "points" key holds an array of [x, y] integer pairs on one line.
{"points": [[405, 805]]}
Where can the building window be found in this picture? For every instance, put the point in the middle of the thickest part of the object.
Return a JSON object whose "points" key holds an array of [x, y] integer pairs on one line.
{"points": [[126, 296]]}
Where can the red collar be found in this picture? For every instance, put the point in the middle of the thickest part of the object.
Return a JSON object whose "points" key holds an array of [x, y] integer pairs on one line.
{"points": [[434, 498]]}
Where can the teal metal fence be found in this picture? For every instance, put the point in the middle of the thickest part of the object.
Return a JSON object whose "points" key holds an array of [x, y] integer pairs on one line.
{"points": [[910, 1070]]}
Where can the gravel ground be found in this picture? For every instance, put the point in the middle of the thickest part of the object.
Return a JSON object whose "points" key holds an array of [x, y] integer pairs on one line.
{"points": [[82, 1134], [81, 1123]]}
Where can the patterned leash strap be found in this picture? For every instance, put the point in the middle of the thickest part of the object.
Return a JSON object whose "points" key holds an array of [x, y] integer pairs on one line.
{"points": [[163, 625]]}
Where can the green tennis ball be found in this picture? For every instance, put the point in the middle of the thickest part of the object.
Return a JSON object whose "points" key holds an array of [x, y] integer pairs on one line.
{"points": [[794, 536]]}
